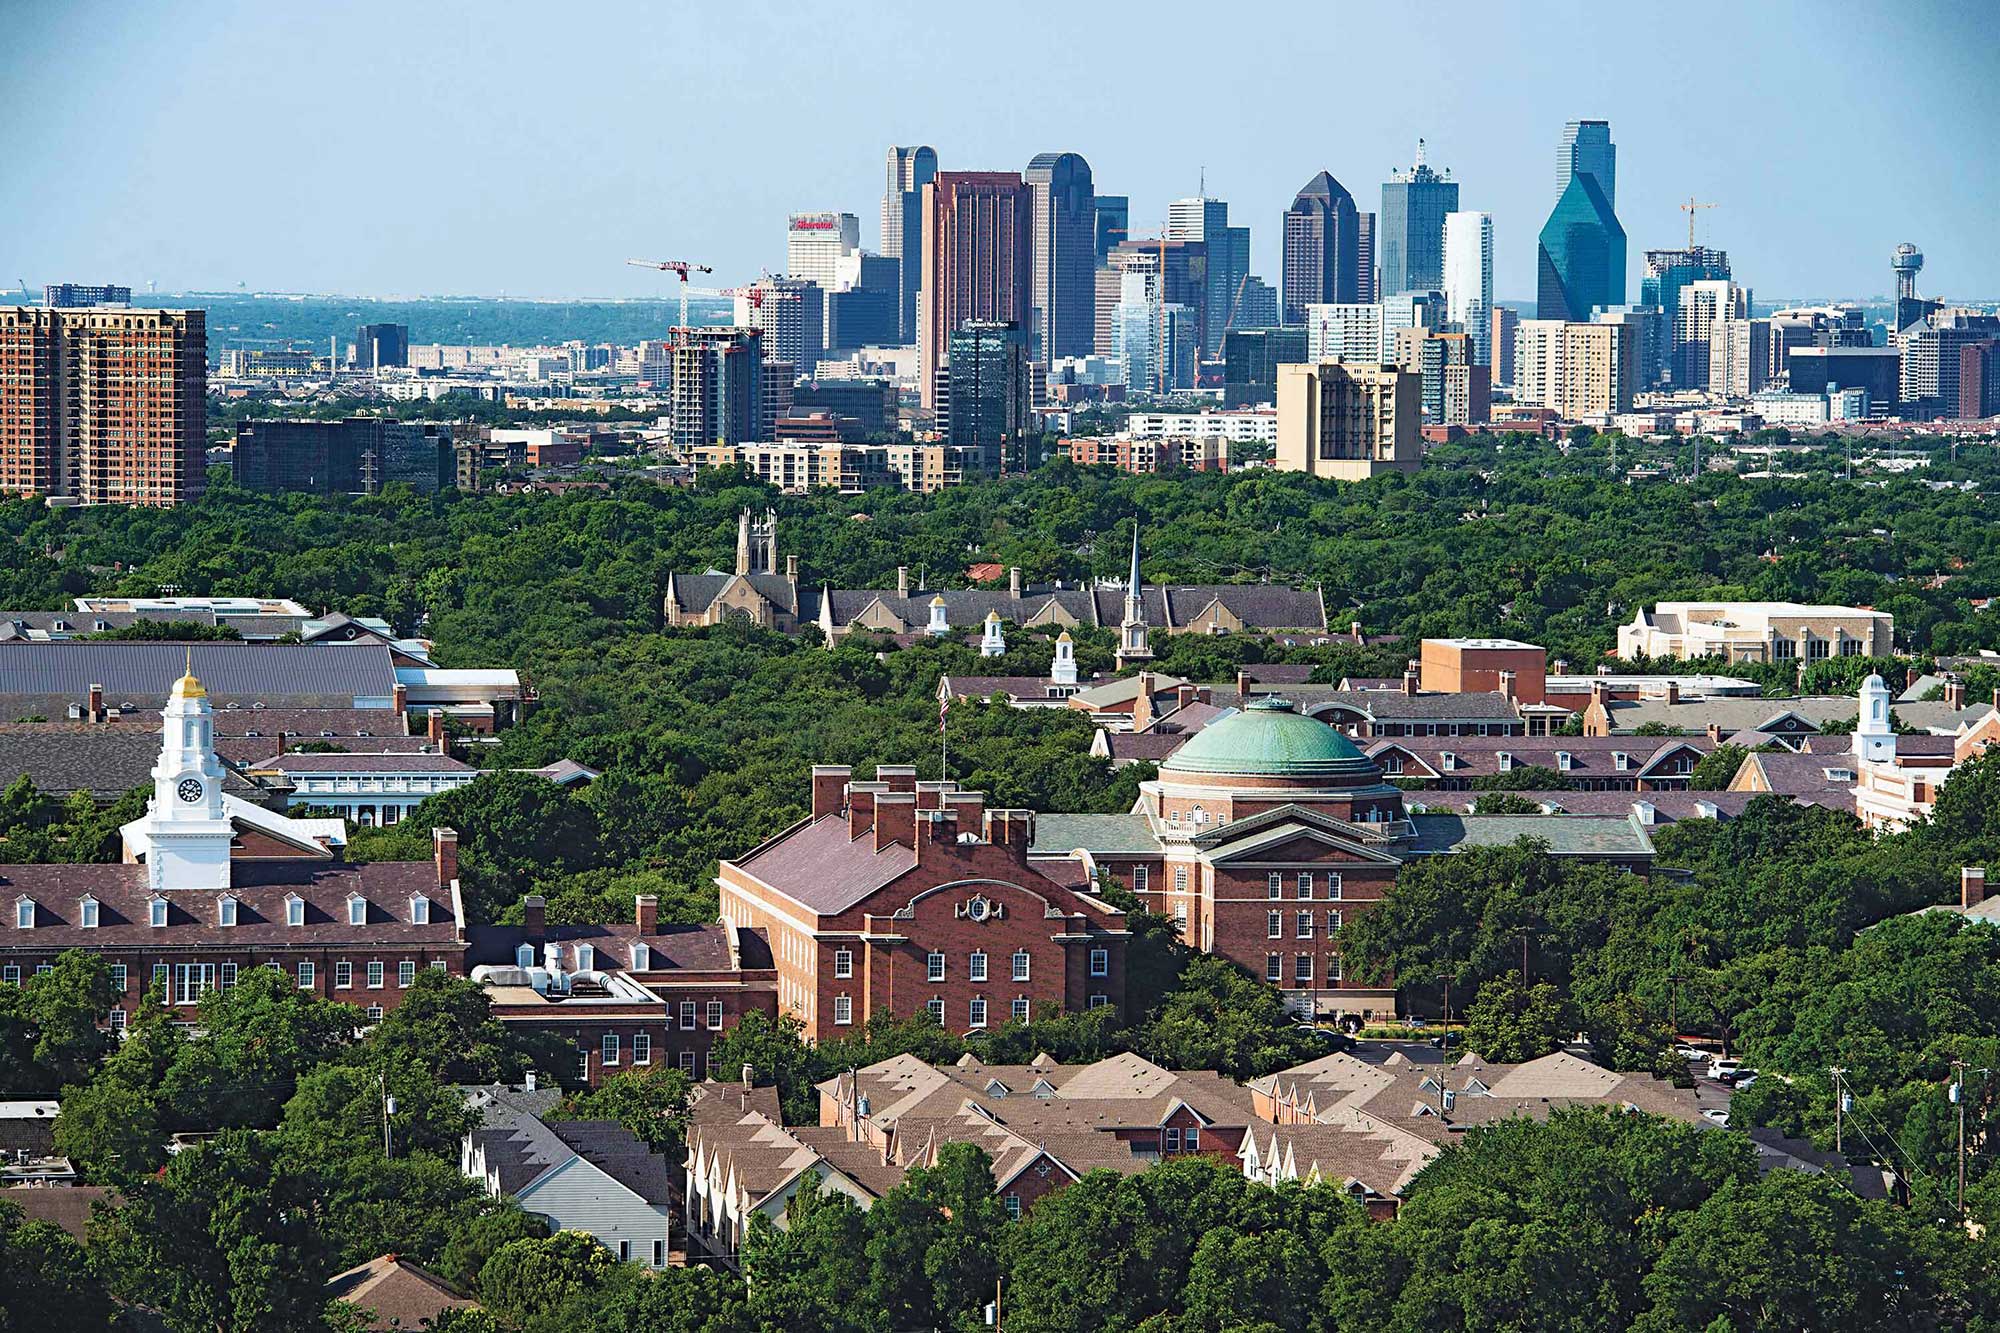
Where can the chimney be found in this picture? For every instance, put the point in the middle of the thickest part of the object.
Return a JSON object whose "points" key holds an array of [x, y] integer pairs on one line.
{"points": [[1014, 580], [1673, 691], [937, 832], [861, 807], [534, 917], [902, 580], [749, 1075], [444, 853], [1971, 886], [646, 914], [1354, 632], [1562, 666], [1410, 677], [1910, 676], [1600, 693], [1012, 829], [1715, 733], [829, 788], [1142, 703], [1507, 685], [1184, 694], [96, 711], [1954, 692], [400, 698], [435, 729], [896, 819], [792, 568], [281, 742], [968, 807], [1243, 683], [897, 777], [528, 1080]]}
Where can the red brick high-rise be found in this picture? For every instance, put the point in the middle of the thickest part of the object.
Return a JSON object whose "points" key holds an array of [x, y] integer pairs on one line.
{"points": [[978, 261], [103, 406]]}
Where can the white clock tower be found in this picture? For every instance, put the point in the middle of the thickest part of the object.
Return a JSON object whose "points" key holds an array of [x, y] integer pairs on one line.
{"points": [[185, 833]]}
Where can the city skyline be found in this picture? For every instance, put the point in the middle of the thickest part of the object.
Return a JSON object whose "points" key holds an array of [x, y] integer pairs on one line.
{"points": [[460, 183]]}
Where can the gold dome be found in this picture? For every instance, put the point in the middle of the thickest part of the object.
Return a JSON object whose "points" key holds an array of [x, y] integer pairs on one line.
{"points": [[189, 686]]}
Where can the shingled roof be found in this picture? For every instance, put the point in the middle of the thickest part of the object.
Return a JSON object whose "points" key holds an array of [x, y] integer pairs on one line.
{"points": [[140, 673]]}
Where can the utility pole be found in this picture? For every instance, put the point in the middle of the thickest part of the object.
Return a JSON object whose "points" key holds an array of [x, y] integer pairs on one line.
{"points": [[1839, 1105], [1958, 1100], [388, 1109]]}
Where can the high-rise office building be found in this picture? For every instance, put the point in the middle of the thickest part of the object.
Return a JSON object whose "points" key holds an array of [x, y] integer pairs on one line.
{"points": [[1114, 224], [1348, 331], [1177, 272], [1065, 257], [104, 406], [1257, 308], [1581, 260], [1322, 248], [1468, 279], [358, 456], [791, 314], [1739, 357], [377, 345], [1668, 272], [815, 243], [81, 296], [910, 169], [978, 262], [1228, 253], [1876, 371], [1934, 357], [1649, 333], [1409, 234], [863, 308], [1578, 370], [1506, 324], [1348, 421], [1154, 341], [1250, 361], [1702, 306], [1366, 275], [718, 386], [987, 407], [1409, 310], [1586, 149]]}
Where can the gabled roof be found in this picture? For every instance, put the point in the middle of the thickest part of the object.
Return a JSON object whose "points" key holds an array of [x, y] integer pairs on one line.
{"points": [[141, 671], [398, 1293]]}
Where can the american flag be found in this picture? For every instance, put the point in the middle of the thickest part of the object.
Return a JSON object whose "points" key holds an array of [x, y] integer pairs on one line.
{"points": [[944, 706]]}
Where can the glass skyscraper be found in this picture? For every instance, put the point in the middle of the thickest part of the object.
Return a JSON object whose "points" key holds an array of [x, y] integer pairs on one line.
{"points": [[1207, 220], [1114, 220], [1581, 264], [1668, 273], [1586, 147], [1409, 236]]}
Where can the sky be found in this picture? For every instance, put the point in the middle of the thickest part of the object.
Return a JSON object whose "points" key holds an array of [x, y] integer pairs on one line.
{"points": [[409, 148]]}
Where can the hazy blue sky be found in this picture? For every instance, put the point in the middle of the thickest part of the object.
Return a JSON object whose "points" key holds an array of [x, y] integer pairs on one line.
{"points": [[407, 148]]}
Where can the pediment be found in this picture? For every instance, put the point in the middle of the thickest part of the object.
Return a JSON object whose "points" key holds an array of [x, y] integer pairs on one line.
{"points": [[1293, 833]]}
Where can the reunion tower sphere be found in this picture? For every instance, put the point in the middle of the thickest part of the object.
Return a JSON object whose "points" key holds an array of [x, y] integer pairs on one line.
{"points": [[1906, 261]]}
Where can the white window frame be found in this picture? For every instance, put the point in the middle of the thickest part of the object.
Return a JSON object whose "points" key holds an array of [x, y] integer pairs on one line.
{"points": [[87, 913], [843, 1010], [642, 956], [1140, 876], [1274, 884], [976, 966], [1305, 885], [1019, 1009], [1274, 925], [343, 975], [934, 967], [24, 914], [1304, 925], [1302, 967], [156, 912], [406, 973], [119, 978], [608, 1048], [687, 1061], [1100, 962], [376, 974], [1334, 887], [935, 1008], [357, 911], [687, 1016], [226, 977], [1023, 965], [225, 910], [10, 973], [295, 910], [420, 910], [642, 1048], [843, 964], [308, 973], [715, 1015], [976, 1012]]}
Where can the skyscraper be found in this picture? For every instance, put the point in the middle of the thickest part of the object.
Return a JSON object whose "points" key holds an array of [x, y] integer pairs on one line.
{"points": [[1228, 254], [1667, 275], [791, 314], [815, 243], [1577, 370], [1409, 236], [1065, 235], [910, 169], [1367, 286], [1348, 421], [1586, 148], [1468, 279], [104, 406], [987, 399], [1702, 307], [1582, 254], [1114, 223], [382, 345], [1506, 324], [718, 386], [1322, 248], [978, 262]]}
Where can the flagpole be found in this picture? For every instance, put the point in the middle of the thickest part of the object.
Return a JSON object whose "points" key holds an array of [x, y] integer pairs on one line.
{"points": [[944, 760]]}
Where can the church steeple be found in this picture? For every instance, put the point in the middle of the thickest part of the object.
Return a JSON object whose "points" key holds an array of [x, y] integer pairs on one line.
{"points": [[1132, 646]]}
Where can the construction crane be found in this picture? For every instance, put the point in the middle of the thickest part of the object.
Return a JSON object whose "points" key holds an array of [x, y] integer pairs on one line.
{"points": [[756, 294], [1236, 305], [678, 267], [1690, 208]]}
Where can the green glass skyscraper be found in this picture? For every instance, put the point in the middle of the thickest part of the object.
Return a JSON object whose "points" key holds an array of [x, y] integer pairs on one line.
{"points": [[1582, 260]]}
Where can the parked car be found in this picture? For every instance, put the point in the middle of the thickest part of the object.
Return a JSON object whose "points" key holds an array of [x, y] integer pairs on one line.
{"points": [[1716, 1115], [1723, 1068], [1331, 1038], [1448, 1041], [1692, 1053]]}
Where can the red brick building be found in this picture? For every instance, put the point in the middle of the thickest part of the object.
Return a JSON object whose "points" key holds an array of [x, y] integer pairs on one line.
{"points": [[899, 897]]}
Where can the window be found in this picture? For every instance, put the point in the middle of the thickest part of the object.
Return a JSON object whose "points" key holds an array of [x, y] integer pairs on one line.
{"points": [[642, 1049], [1274, 967], [624, 1251], [1302, 969], [118, 1021], [715, 1015], [843, 1010], [1305, 925], [586, 958], [1191, 1138], [978, 1011], [1180, 879], [192, 980], [228, 980], [41, 968], [87, 915], [1274, 924], [935, 1008], [1274, 884], [306, 976], [687, 1015], [225, 908], [24, 914], [583, 1063], [374, 976], [687, 1062], [1333, 972], [843, 963], [1013, 1202], [1021, 964], [1333, 887], [1100, 962], [1305, 884], [936, 967], [406, 972], [357, 911], [1020, 1009], [610, 1053], [1334, 921], [1140, 875], [156, 912], [11, 974], [118, 978], [1170, 1139], [659, 1254], [343, 975], [160, 971], [374, 1012], [420, 911], [978, 966], [295, 910], [438, 965], [1099, 1000]]}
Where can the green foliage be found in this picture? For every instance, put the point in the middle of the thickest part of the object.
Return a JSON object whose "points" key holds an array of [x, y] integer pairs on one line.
{"points": [[1715, 770], [652, 1103], [46, 1281], [1523, 777], [175, 631], [1510, 1022], [1504, 803], [48, 1025], [1221, 1017], [526, 1280], [36, 828]]}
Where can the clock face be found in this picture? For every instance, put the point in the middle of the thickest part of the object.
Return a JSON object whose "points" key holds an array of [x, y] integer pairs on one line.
{"points": [[190, 790]]}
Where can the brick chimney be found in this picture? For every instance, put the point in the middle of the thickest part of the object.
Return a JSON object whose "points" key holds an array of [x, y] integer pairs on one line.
{"points": [[895, 819], [1142, 703], [1673, 691], [281, 742], [829, 788], [1243, 684], [435, 729], [1562, 666], [1354, 632], [968, 807], [646, 914], [1971, 886], [1014, 580], [1715, 733], [861, 807], [1910, 676], [95, 713], [1410, 677], [444, 852], [399, 696], [1184, 694], [937, 835], [534, 918], [792, 569], [1954, 692], [897, 777], [902, 580], [1012, 829]]}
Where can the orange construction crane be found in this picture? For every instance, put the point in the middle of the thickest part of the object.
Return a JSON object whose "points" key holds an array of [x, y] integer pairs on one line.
{"points": [[756, 294], [1689, 208], [680, 268]]}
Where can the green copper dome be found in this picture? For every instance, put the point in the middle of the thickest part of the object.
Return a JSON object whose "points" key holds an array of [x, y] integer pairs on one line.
{"points": [[1270, 737]]}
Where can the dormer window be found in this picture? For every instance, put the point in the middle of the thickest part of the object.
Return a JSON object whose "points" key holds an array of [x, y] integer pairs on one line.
{"points": [[1506, 761], [1620, 760], [586, 958], [357, 910], [1448, 760], [157, 911], [225, 909], [295, 910], [86, 914], [1562, 761], [24, 913], [642, 957], [420, 910]]}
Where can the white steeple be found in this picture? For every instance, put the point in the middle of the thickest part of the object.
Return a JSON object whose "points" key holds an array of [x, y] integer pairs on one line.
{"points": [[991, 642], [1132, 646], [1874, 735], [185, 834], [939, 625], [1063, 670]]}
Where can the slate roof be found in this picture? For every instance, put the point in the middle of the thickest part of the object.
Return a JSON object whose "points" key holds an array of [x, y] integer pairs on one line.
{"points": [[61, 757], [1383, 705], [618, 1153], [68, 1206], [964, 607], [1667, 806], [1566, 835], [294, 763], [1804, 774], [824, 869], [25, 625], [1260, 606], [143, 672], [1126, 746], [1589, 756], [1099, 834], [1014, 687], [697, 592]]}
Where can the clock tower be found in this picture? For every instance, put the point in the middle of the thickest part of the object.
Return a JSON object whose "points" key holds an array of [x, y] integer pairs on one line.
{"points": [[186, 829]]}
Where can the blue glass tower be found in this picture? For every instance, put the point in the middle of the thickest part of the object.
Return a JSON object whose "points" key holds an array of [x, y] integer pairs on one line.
{"points": [[1582, 259]]}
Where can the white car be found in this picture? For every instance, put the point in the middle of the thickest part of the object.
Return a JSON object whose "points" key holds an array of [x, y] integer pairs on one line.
{"points": [[1723, 1067], [1716, 1115]]}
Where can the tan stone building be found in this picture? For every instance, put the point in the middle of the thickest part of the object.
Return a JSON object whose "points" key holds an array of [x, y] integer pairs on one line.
{"points": [[1349, 421], [755, 592], [1576, 370], [1756, 632]]}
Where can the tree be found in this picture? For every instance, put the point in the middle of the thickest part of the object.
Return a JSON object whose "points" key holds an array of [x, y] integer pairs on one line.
{"points": [[1275, 1276], [445, 1024], [255, 1040], [528, 1279], [1221, 1018], [46, 1283], [934, 1242], [114, 1127], [481, 1237], [1509, 1022], [673, 1300], [1504, 803], [652, 1103], [774, 1050], [803, 1277], [49, 1027], [1715, 770]]}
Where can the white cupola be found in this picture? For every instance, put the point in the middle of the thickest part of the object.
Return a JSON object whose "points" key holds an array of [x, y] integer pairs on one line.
{"points": [[991, 642], [1063, 670], [939, 625], [185, 834], [1874, 733]]}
